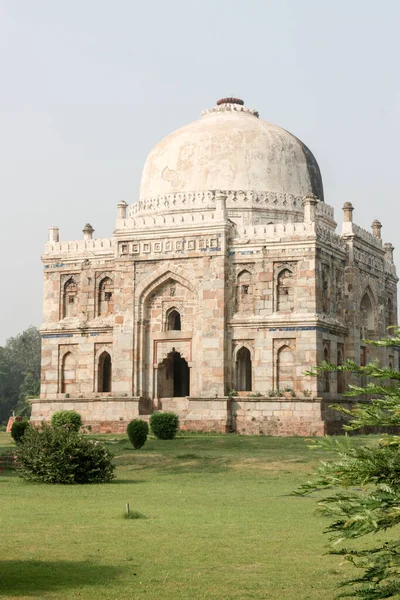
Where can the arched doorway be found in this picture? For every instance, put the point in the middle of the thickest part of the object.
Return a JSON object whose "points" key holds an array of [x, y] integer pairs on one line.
{"points": [[243, 370], [173, 376], [104, 372]]}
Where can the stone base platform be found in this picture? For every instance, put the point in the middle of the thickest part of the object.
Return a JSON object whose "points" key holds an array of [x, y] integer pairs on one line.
{"points": [[245, 415], [104, 415]]}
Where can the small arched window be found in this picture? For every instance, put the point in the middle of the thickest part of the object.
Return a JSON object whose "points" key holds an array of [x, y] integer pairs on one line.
{"points": [[70, 298], [244, 282], [106, 296], [243, 290], [285, 291], [174, 320]]}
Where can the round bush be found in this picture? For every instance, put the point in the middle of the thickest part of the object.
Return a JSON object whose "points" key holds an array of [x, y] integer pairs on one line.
{"points": [[60, 455], [18, 430], [137, 431], [70, 419], [164, 425]]}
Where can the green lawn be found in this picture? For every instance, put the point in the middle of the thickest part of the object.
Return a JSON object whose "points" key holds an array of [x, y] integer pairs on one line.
{"points": [[220, 525]]}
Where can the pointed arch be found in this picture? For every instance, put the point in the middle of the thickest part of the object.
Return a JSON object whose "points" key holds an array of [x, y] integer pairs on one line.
{"points": [[162, 274], [104, 372], [326, 375], [173, 376], [367, 312], [243, 370], [285, 290], [285, 368], [159, 277], [244, 282], [68, 373], [173, 320], [105, 296], [70, 298], [244, 290]]}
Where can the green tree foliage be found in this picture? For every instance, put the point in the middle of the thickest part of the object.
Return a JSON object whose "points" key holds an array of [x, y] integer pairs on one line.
{"points": [[364, 481], [67, 418], [61, 455], [164, 425], [19, 373], [137, 431]]}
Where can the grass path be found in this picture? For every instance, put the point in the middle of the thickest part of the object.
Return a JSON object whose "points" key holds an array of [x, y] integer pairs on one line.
{"points": [[220, 525]]}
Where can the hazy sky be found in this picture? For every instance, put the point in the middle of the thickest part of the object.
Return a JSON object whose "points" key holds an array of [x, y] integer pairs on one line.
{"points": [[88, 87]]}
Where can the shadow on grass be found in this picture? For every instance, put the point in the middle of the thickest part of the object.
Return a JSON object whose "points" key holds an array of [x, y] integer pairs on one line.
{"points": [[203, 464], [175, 465], [114, 481], [34, 577]]}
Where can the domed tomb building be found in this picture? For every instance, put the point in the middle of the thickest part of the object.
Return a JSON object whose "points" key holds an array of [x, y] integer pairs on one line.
{"points": [[220, 287]]}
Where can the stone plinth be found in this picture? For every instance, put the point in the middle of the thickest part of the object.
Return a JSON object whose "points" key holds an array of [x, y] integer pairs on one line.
{"points": [[106, 415], [278, 416], [201, 414]]}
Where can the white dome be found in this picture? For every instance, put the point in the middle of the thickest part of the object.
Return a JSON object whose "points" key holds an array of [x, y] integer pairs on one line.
{"points": [[231, 149]]}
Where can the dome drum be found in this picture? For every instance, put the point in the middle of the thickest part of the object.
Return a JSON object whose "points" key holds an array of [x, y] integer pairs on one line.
{"points": [[250, 201]]}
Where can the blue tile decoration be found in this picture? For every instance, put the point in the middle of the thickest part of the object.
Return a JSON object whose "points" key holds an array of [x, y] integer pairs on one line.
{"points": [[301, 328], [57, 335]]}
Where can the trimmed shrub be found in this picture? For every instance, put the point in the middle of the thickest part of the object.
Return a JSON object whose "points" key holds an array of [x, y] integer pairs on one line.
{"points": [[18, 430], [164, 425], [137, 431], [61, 455], [69, 419]]}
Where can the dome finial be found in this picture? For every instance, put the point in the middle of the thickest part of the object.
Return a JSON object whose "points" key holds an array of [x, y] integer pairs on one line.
{"points": [[230, 104], [230, 100]]}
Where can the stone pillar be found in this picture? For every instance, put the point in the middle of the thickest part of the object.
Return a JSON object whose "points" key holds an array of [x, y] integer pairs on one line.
{"points": [[376, 228], [212, 348], [310, 205], [54, 234], [348, 212], [388, 247], [347, 227], [220, 207], [87, 232], [121, 207]]}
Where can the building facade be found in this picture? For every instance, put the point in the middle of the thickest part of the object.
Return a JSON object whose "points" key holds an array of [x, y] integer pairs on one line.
{"points": [[220, 287]]}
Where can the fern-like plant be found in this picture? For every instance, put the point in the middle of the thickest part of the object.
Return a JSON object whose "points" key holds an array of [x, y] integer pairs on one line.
{"points": [[365, 480]]}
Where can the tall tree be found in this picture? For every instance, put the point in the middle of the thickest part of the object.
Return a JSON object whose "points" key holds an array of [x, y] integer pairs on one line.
{"points": [[19, 372], [365, 481]]}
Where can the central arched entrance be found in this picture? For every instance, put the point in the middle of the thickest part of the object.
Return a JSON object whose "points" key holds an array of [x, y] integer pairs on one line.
{"points": [[173, 376]]}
